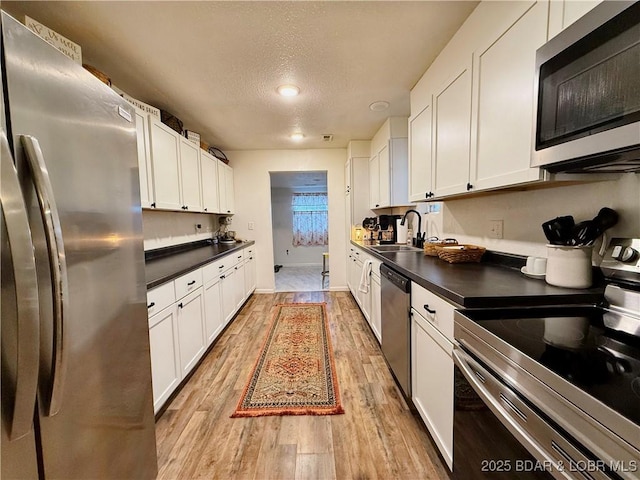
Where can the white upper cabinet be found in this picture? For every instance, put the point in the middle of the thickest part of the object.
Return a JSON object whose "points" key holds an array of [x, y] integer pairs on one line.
{"points": [[477, 100], [209, 182], [144, 159], [190, 189], [420, 187], [165, 160], [374, 182], [388, 165], [503, 106], [452, 134], [357, 198], [563, 13], [225, 188]]}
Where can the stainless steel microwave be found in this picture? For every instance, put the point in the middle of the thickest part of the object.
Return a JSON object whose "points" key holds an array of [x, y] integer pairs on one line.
{"points": [[588, 94]]}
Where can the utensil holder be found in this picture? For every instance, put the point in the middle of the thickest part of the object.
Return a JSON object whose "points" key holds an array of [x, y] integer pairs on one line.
{"points": [[569, 267]]}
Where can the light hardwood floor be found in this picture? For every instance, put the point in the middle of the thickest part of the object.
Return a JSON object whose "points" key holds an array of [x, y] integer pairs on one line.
{"points": [[377, 438]]}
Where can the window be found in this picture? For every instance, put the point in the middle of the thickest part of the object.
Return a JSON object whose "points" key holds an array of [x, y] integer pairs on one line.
{"points": [[310, 219]]}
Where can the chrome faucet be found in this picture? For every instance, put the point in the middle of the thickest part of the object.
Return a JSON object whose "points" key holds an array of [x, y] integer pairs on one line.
{"points": [[418, 241]]}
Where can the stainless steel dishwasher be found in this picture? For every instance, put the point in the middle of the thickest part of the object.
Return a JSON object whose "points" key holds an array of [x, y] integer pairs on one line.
{"points": [[396, 334]]}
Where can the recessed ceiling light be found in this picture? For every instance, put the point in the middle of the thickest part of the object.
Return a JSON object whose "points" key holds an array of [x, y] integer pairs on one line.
{"points": [[297, 136], [288, 90], [379, 106]]}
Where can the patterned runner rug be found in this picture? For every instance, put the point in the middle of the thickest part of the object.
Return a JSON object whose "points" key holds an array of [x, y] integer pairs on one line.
{"points": [[295, 371]]}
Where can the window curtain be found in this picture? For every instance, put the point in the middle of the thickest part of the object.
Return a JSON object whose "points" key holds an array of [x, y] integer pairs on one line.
{"points": [[310, 219]]}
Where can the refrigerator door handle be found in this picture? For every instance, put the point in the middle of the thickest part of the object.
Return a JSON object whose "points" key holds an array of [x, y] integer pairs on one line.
{"points": [[27, 326], [57, 264]]}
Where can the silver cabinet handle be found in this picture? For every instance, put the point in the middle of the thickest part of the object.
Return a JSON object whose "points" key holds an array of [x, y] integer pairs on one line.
{"points": [[27, 315], [57, 264]]}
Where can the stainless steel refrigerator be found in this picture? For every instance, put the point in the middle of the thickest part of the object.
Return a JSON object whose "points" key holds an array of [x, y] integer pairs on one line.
{"points": [[76, 372]]}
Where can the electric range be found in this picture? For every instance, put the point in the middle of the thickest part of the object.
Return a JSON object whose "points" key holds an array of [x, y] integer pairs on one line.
{"points": [[575, 369]]}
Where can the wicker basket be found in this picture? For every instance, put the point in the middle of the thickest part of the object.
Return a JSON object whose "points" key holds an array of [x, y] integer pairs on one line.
{"points": [[431, 247], [461, 253], [103, 77], [171, 121]]}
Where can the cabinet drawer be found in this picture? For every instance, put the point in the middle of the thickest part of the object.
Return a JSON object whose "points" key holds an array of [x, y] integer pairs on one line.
{"points": [[437, 311], [160, 298], [237, 257], [213, 270], [188, 283]]}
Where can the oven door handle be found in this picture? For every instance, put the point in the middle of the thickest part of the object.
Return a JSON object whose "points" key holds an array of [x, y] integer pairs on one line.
{"points": [[468, 366]]}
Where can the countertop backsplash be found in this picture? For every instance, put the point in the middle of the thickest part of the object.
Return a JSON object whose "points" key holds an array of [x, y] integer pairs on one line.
{"points": [[523, 213], [165, 229]]}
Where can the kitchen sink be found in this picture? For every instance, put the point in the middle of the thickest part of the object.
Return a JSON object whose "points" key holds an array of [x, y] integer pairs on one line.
{"points": [[395, 248]]}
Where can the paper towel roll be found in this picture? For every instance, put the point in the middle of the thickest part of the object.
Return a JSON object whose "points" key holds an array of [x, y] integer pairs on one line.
{"points": [[401, 231]]}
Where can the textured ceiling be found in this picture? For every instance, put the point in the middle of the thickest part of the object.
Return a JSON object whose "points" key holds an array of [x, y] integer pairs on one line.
{"points": [[216, 65]]}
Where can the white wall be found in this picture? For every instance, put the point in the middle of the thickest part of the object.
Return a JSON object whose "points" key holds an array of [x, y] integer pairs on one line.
{"points": [[284, 252], [253, 204], [524, 212], [163, 229]]}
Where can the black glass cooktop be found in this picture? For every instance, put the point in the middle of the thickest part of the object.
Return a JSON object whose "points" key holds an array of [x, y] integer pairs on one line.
{"points": [[573, 343]]}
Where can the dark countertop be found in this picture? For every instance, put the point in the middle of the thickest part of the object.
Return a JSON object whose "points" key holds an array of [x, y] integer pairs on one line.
{"points": [[484, 284], [172, 263]]}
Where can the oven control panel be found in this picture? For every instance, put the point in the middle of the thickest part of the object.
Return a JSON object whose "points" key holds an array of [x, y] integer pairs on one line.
{"points": [[622, 259]]}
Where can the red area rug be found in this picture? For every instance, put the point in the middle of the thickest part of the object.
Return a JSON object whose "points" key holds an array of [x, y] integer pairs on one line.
{"points": [[295, 371]]}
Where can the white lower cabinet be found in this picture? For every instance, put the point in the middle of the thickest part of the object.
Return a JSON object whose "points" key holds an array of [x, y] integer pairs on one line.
{"points": [[369, 302], [165, 358], [432, 372], [375, 314], [213, 323], [187, 314], [228, 285], [249, 273], [238, 287], [191, 336]]}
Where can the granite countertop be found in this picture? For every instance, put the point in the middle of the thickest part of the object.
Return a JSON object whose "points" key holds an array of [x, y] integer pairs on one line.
{"points": [[485, 284], [164, 265]]}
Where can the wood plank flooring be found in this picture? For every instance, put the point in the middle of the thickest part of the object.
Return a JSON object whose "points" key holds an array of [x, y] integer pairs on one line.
{"points": [[377, 438]]}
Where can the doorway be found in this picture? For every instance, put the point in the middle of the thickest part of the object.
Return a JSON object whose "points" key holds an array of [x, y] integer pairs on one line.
{"points": [[299, 217]]}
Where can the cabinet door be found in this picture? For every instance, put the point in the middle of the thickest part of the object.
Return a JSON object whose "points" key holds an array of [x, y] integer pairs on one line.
{"points": [[374, 182], [165, 358], [144, 159], [347, 177], [165, 160], [239, 291], [375, 313], [452, 134], [222, 189], [384, 166], [249, 274], [228, 296], [191, 334], [229, 189], [503, 109], [420, 155], [563, 13], [209, 182], [212, 310], [432, 382], [190, 176]]}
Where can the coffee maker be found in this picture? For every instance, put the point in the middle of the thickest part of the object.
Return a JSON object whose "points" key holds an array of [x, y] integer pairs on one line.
{"points": [[387, 233]]}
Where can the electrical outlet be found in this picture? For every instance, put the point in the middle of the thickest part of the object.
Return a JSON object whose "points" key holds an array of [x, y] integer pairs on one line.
{"points": [[251, 225], [496, 228]]}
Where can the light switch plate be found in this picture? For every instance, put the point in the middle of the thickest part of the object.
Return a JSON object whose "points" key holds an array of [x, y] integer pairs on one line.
{"points": [[251, 225]]}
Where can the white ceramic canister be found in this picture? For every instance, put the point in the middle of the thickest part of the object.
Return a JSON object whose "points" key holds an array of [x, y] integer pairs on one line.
{"points": [[569, 266]]}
